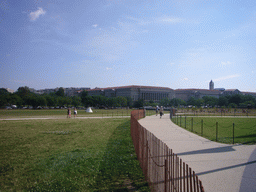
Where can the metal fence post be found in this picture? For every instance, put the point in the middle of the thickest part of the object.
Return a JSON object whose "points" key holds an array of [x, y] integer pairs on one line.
{"points": [[185, 122], [233, 133], [202, 127], [216, 131], [192, 124], [180, 120]]}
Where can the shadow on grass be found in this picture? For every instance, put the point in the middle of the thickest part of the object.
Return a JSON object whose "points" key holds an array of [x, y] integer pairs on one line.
{"points": [[114, 168], [247, 136], [119, 169]]}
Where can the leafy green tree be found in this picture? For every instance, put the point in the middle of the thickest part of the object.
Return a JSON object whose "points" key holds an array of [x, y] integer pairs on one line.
{"points": [[192, 101], [16, 100], [60, 92], [129, 101], [223, 101], [122, 101], [42, 101], [176, 102], [23, 92], [139, 103], [165, 102], [67, 101], [199, 102], [33, 101], [235, 99], [209, 100], [51, 100], [3, 91], [76, 101], [3, 100], [61, 101], [84, 97]]}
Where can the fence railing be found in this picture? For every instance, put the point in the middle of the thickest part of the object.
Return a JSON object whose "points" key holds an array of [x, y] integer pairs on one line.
{"points": [[164, 170]]}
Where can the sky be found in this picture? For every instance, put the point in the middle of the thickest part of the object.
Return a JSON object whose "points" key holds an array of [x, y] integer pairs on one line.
{"points": [[106, 43]]}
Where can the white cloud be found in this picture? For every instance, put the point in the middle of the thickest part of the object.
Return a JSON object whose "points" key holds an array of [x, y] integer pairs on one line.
{"points": [[95, 25], [34, 15], [185, 79], [227, 77], [226, 63], [157, 20], [170, 20]]}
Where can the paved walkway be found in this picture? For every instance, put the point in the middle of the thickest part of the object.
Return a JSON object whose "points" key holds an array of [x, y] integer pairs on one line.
{"points": [[220, 167]]}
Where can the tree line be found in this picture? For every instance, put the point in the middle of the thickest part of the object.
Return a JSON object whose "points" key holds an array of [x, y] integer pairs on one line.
{"points": [[232, 101], [23, 97]]}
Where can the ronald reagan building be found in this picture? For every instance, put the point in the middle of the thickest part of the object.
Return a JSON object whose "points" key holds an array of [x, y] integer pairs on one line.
{"points": [[147, 93]]}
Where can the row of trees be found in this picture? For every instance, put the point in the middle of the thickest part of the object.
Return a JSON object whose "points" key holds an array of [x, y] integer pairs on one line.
{"points": [[233, 101], [23, 97]]}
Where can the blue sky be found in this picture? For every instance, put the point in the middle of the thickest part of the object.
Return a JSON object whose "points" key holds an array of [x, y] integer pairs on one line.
{"points": [[104, 43]]}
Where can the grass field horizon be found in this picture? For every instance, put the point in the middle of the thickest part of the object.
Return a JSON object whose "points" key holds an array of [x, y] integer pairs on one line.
{"points": [[61, 113], [69, 155]]}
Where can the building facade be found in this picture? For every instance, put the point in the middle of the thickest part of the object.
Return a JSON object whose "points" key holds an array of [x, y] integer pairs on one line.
{"points": [[147, 93], [186, 94]]}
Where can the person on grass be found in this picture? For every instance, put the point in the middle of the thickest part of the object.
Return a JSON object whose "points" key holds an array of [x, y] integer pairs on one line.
{"points": [[75, 113]]}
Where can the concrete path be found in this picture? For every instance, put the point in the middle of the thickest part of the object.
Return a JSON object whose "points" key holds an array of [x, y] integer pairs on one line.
{"points": [[220, 167]]}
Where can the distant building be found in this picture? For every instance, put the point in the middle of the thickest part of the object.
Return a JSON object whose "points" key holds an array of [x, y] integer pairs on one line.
{"points": [[136, 92], [73, 91], [211, 85], [219, 89], [185, 94], [231, 92], [249, 93]]}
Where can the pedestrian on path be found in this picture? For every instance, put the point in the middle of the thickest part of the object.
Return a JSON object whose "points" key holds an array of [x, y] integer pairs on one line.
{"points": [[157, 110], [161, 112]]}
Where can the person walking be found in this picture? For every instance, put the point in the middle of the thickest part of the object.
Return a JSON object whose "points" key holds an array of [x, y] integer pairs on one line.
{"points": [[161, 112], [75, 113], [68, 112], [157, 110]]}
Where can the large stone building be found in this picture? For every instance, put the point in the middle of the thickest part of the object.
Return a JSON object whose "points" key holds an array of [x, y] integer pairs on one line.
{"points": [[185, 94], [147, 93]]}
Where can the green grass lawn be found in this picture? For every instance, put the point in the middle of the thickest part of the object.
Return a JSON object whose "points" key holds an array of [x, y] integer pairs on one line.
{"points": [[68, 155], [61, 113], [218, 112], [244, 128]]}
